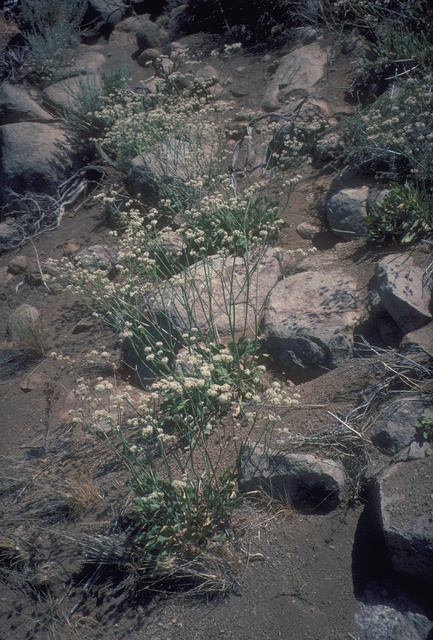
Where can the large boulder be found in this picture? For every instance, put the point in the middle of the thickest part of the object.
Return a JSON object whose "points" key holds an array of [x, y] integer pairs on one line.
{"points": [[308, 483], [16, 105], [397, 425], [404, 292], [309, 321], [125, 32], [35, 157], [150, 36], [404, 502], [346, 211], [104, 14], [222, 295], [420, 338], [296, 76]]}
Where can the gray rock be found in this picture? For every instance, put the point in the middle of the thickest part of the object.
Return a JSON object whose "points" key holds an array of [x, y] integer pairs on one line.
{"points": [[397, 426], [36, 157], [306, 482], [167, 245], [23, 321], [307, 230], [403, 292], [7, 232], [16, 106], [421, 337], [309, 320], [381, 622], [109, 12], [148, 55], [296, 75], [418, 450], [150, 36], [211, 294], [18, 265], [318, 260], [346, 211], [96, 256], [125, 32], [405, 505], [208, 74], [170, 163]]}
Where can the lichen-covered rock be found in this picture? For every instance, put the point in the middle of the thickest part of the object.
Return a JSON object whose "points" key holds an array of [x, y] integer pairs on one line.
{"points": [[309, 321], [397, 424], [346, 211], [404, 292], [225, 295]]}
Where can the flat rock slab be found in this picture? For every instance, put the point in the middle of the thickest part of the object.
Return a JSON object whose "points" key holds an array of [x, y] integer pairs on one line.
{"points": [[309, 320], [405, 504], [296, 75], [36, 157], [404, 292]]}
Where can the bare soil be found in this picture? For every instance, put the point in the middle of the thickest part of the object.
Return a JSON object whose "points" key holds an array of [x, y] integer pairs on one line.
{"points": [[299, 576]]}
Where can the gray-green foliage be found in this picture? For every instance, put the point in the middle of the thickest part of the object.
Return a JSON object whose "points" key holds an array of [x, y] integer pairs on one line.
{"points": [[52, 31], [37, 14]]}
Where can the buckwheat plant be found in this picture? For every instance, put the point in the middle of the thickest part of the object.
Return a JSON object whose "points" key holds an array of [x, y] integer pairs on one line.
{"points": [[184, 481]]}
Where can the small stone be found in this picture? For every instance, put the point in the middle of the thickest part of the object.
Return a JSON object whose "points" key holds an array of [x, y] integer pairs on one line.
{"points": [[148, 55], [307, 230], [35, 279], [70, 249], [417, 450], [18, 265], [82, 326]]}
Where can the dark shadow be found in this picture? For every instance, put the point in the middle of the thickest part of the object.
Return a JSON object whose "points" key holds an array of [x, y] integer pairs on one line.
{"points": [[374, 580]]}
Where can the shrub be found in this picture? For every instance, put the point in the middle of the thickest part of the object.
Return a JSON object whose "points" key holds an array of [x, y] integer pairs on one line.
{"points": [[52, 31], [425, 428], [393, 138], [399, 33], [404, 215]]}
